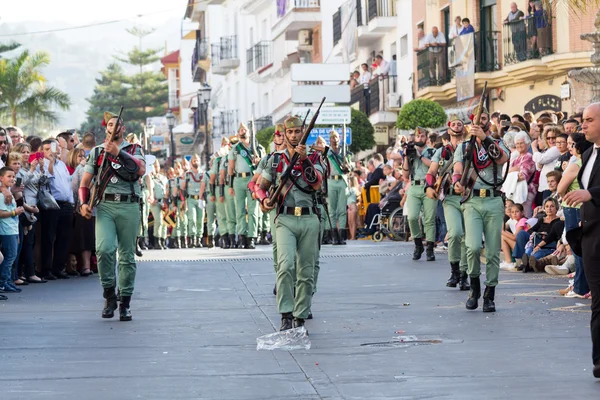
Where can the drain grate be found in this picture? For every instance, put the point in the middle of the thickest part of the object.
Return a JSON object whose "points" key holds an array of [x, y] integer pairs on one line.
{"points": [[256, 259]]}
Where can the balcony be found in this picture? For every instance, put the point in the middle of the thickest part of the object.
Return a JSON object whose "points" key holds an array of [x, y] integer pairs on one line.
{"points": [[229, 122], [375, 18], [518, 42], [380, 100], [200, 63], [259, 59], [224, 55], [262, 123], [217, 127], [295, 15]]}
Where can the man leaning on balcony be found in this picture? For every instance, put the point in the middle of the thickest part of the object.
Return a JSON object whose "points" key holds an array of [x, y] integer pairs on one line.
{"points": [[514, 19], [436, 42]]}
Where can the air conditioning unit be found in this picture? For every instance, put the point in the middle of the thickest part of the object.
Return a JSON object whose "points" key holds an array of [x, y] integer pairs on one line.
{"points": [[305, 40], [394, 101]]}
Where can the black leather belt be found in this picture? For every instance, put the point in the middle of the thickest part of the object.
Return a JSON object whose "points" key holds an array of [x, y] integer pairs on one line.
{"points": [[63, 203], [418, 182], [298, 211], [243, 174], [483, 193], [122, 198], [193, 196], [336, 177]]}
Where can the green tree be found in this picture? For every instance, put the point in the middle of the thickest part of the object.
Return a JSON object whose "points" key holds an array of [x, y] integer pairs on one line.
{"points": [[142, 94], [8, 47], [363, 133], [265, 137], [25, 92], [423, 113]]}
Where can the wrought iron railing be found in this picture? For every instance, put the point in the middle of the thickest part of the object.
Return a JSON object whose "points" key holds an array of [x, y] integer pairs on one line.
{"points": [[527, 39], [217, 125], [259, 56], [200, 51], [285, 6], [381, 8], [486, 51], [229, 122], [262, 123], [432, 67], [374, 97], [225, 49]]}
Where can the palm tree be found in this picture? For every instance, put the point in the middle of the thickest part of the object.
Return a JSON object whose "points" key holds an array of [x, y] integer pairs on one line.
{"points": [[24, 91], [8, 47]]}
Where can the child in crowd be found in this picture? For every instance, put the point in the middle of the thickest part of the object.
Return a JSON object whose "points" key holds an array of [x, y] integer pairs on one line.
{"points": [[514, 225], [508, 210], [9, 232]]}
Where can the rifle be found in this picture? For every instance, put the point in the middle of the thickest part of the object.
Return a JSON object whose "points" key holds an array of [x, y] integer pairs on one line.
{"points": [[95, 193], [467, 180], [288, 172], [253, 144]]}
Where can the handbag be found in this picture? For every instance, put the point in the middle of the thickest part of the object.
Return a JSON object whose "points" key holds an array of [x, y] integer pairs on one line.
{"points": [[45, 199]]}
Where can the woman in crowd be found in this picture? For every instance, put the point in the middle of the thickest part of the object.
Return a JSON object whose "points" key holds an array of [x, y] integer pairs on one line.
{"points": [[4, 147], [545, 155], [524, 165], [83, 242], [352, 193], [577, 145]]}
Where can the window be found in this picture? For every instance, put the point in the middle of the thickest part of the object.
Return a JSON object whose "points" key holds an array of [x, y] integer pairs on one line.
{"points": [[403, 46], [266, 104]]}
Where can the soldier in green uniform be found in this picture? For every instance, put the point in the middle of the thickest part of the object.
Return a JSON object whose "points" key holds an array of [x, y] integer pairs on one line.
{"points": [[296, 226], [117, 214], [208, 197], [337, 183], [195, 205], [442, 164], [242, 164], [159, 185], [220, 206], [228, 198], [484, 209], [178, 205], [147, 189], [415, 166]]}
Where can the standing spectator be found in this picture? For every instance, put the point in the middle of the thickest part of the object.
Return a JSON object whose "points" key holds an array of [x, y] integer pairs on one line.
{"points": [[9, 232], [456, 28], [467, 27], [16, 134], [83, 241], [354, 77], [565, 154], [525, 166], [571, 126], [56, 225], [531, 28], [544, 31], [382, 67], [67, 143], [4, 138], [545, 160], [421, 40], [365, 76], [88, 142], [75, 158], [517, 28], [436, 42]]}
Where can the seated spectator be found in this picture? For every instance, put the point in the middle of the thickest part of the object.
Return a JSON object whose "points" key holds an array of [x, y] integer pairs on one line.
{"points": [[513, 226], [553, 177], [376, 168]]}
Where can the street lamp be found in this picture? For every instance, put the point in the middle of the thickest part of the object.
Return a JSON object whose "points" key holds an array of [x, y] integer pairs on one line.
{"points": [[203, 101], [171, 124]]}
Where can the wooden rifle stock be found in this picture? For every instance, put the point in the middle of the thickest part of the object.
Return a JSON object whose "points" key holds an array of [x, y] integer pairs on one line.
{"points": [[288, 171]]}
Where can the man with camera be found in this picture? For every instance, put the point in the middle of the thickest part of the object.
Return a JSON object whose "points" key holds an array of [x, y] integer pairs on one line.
{"points": [[442, 165], [483, 207], [415, 166]]}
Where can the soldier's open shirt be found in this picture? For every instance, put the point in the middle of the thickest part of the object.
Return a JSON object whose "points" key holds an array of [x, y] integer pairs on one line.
{"points": [[116, 185], [295, 197], [487, 172]]}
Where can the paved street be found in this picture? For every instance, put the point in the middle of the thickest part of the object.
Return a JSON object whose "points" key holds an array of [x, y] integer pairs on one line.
{"points": [[197, 314]]}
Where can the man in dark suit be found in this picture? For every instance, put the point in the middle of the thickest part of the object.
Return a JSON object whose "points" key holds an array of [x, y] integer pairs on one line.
{"points": [[376, 175], [589, 198]]}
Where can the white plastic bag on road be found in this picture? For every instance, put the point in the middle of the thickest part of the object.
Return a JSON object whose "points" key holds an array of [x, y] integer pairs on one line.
{"points": [[291, 339]]}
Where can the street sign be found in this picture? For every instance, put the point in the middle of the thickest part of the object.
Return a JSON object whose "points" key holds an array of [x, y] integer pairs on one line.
{"points": [[320, 72], [324, 133], [188, 158], [315, 93], [327, 116]]}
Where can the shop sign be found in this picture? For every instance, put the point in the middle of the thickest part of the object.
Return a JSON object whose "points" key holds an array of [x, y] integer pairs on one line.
{"points": [[546, 102]]}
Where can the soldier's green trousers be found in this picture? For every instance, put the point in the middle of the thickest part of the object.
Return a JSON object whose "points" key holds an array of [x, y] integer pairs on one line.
{"points": [[195, 217], [416, 201], [230, 212], [484, 218], [457, 251], [243, 200], [145, 211], [211, 217], [296, 248], [221, 216], [117, 226], [272, 215], [336, 197], [263, 221], [323, 218], [160, 228], [181, 229]]}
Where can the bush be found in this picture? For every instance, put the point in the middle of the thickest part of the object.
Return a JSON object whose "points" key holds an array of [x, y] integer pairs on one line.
{"points": [[363, 133], [264, 137], [423, 113]]}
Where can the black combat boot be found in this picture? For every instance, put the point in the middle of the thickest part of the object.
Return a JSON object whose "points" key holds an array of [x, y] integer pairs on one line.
{"points": [[454, 275], [419, 249], [162, 243], [286, 321], [474, 295], [148, 244], [263, 238], [209, 242], [198, 242], [251, 243], [335, 237], [157, 244], [327, 237], [226, 241], [142, 243], [242, 241], [177, 242], [110, 304], [138, 249], [488, 299], [463, 284], [298, 323], [124, 310], [343, 233], [184, 242], [430, 253]]}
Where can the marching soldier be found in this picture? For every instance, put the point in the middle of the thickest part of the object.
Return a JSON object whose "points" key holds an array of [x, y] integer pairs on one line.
{"points": [[242, 163], [220, 206], [118, 212], [296, 226], [227, 197], [484, 209], [336, 189], [159, 185], [145, 182], [208, 196], [195, 209], [415, 166], [178, 206], [442, 164]]}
